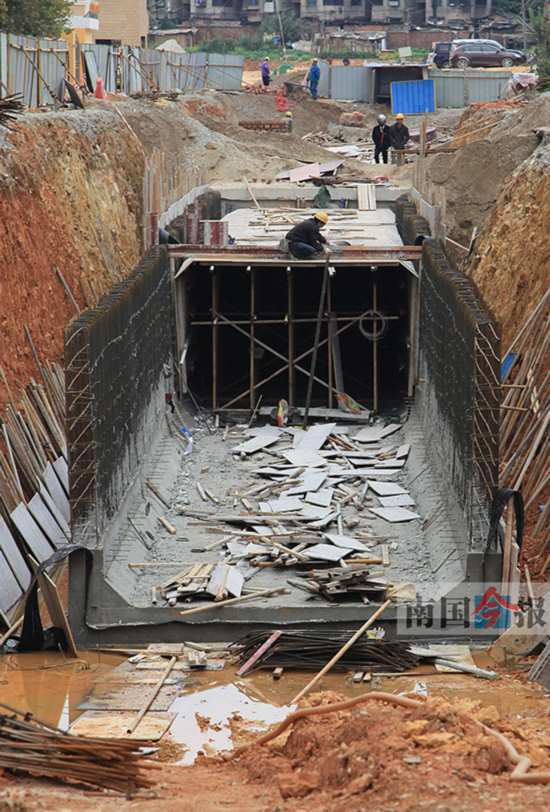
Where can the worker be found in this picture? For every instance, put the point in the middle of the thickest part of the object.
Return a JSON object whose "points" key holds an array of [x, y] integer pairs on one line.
{"points": [[399, 135], [305, 239], [381, 138], [312, 79], [266, 73]]}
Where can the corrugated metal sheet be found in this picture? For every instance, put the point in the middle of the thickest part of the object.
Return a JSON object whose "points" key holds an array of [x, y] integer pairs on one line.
{"points": [[225, 71], [348, 83], [413, 98], [101, 61], [52, 61], [457, 88], [131, 71]]}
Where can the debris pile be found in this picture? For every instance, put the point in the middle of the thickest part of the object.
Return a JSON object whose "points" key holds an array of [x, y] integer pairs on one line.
{"points": [[302, 511]]}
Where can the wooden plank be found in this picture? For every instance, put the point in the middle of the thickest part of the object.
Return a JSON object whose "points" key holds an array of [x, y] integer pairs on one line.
{"points": [[385, 488], [397, 514], [57, 492], [56, 611], [258, 653], [10, 589], [115, 726]]}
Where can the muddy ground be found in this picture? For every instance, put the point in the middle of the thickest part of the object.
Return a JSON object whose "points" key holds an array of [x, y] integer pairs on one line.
{"points": [[373, 756]]}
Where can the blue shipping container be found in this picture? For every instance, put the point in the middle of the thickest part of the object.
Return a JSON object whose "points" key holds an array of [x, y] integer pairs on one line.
{"points": [[413, 98]]}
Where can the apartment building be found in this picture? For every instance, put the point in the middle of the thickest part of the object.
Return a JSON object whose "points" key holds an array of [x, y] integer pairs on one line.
{"points": [[123, 21]]}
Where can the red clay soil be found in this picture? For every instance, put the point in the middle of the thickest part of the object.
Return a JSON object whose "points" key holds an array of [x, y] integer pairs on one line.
{"points": [[382, 757], [375, 757]]}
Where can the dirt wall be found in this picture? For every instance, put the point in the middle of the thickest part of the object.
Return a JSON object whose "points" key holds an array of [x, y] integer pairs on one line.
{"points": [[512, 264], [70, 200]]}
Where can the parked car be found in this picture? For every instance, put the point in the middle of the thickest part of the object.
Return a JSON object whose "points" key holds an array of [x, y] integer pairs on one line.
{"points": [[441, 54], [484, 54]]}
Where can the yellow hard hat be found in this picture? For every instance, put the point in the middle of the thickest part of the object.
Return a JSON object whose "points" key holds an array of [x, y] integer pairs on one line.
{"points": [[400, 117], [322, 216]]}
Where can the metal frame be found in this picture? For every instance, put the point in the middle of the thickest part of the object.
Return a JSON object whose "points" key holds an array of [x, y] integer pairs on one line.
{"points": [[182, 257]]}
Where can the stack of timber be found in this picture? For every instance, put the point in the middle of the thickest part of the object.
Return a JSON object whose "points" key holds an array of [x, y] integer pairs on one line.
{"points": [[525, 431], [33, 748], [352, 582], [217, 581], [10, 108], [34, 487]]}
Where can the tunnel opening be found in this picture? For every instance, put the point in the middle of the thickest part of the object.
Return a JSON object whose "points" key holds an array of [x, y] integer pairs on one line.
{"points": [[250, 332]]}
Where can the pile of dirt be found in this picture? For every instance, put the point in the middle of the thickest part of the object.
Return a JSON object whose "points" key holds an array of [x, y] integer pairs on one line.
{"points": [[395, 757], [465, 184]]}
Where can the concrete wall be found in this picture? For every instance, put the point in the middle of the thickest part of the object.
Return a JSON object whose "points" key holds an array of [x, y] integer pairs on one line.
{"points": [[124, 20], [115, 356]]}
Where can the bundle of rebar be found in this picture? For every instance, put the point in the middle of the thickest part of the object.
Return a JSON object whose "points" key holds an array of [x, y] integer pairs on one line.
{"points": [[30, 747], [10, 108], [309, 651]]}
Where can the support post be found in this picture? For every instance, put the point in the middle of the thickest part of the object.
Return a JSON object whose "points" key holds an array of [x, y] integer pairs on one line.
{"points": [[252, 339], [291, 375], [322, 300], [413, 333], [375, 381], [215, 336], [329, 346]]}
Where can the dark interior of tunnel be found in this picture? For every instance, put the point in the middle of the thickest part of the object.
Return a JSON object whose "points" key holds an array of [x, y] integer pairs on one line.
{"points": [[266, 291]]}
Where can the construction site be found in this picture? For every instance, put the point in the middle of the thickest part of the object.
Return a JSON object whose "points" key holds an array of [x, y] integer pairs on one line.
{"points": [[274, 532]]}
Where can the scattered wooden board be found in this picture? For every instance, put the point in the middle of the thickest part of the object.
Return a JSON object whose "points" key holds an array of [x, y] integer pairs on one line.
{"points": [[94, 724], [395, 514], [385, 488]]}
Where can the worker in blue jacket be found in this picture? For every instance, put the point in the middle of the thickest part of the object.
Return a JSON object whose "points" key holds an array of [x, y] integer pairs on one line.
{"points": [[313, 77]]}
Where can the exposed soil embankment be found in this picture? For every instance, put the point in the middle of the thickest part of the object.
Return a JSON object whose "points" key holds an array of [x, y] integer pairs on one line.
{"points": [[490, 143], [71, 200], [512, 263]]}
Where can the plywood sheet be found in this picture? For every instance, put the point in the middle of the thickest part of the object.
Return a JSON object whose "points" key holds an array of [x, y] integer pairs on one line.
{"points": [[31, 532], [310, 482], [314, 438], [321, 498], [395, 514], [347, 542], [57, 492], [326, 552], [130, 698], [93, 724], [303, 458], [46, 521], [373, 434], [263, 440], [285, 504], [10, 591], [385, 488], [14, 556], [401, 500], [62, 471]]}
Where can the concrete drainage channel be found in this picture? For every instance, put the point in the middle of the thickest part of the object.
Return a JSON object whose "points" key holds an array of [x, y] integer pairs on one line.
{"points": [[253, 506]]}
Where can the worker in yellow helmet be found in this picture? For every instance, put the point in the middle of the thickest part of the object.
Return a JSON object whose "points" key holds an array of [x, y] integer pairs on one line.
{"points": [[399, 135], [305, 239]]}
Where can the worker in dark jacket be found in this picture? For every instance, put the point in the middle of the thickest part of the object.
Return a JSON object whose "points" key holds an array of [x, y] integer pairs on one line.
{"points": [[305, 239], [266, 73], [381, 138], [399, 135]]}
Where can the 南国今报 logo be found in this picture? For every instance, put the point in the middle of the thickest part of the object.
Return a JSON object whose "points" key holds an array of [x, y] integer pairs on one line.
{"points": [[493, 610]]}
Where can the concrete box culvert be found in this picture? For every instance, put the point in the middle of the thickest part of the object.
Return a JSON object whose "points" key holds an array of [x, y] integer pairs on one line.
{"points": [[447, 475]]}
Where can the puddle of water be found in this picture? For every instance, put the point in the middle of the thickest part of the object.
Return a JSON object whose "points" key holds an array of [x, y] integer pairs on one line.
{"points": [[215, 707], [49, 685]]}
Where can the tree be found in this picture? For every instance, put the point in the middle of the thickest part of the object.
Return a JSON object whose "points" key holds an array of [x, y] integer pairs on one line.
{"points": [[39, 18]]}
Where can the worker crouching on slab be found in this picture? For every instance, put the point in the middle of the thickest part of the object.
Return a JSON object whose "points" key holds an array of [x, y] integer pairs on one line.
{"points": [[305, 239], [399, 136], [381, 138]]}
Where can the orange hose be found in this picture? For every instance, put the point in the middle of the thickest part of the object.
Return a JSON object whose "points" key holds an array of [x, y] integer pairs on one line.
{"points": [[522, 764]]}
